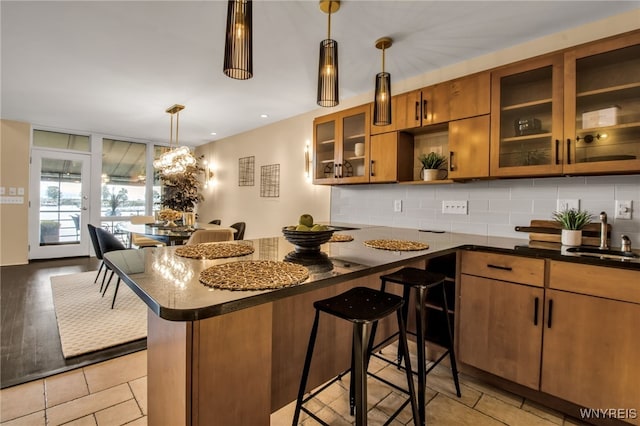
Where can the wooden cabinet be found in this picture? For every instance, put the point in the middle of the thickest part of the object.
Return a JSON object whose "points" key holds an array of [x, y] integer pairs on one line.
{"points": [[334, 147], [391, 157], [602, 106], [575, 338], [574, 112], [469, 148], [526, 118]]}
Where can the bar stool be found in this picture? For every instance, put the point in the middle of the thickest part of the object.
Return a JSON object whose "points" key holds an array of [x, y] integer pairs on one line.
{"points": [[363, 307], [423, 282]]}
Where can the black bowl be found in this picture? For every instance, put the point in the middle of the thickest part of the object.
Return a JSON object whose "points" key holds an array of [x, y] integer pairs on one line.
{"points": [[307, 240]]}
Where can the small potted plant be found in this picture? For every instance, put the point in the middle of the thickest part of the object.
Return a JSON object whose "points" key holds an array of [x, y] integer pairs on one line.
{"points": [[572, 221], [431, 164]]}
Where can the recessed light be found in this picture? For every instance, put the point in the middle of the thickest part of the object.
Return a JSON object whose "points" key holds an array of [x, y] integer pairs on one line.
{"points": [[264, 116], [213, 133]]}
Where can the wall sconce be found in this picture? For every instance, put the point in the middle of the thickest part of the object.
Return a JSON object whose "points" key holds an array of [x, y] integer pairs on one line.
{"points": [[208, 174], [307, 162], [382, 98]]}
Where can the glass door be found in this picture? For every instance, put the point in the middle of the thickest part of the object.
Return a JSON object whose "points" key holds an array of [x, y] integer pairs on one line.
{"points": [[59, 204]]}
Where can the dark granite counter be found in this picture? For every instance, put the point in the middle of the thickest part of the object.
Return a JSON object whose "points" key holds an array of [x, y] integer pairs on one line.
{"points": [[169, 284]]}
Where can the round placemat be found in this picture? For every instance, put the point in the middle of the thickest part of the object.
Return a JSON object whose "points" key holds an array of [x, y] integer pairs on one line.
{"points": [[340, 238], [214, 250], [396, 245], [254, 275]]}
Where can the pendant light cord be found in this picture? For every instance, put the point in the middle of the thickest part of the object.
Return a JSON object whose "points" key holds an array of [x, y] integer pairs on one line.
{"points": [[329, 25], [383, 49]]}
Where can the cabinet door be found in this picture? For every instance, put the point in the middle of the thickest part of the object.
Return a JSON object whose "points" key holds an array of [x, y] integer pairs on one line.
{"points": [[469, 96], [353, 165], [324, 149], [435, 104], [526, 118], [591, 351], [391, 157], [409, 110], [500, 328], [469, 148], [602, 106]]}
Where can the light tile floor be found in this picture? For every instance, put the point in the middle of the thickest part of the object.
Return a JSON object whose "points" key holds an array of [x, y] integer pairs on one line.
{"points": [[114, 393]]}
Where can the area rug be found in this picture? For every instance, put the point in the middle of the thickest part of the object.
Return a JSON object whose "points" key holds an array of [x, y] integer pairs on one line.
{"points": [[86, 321]]}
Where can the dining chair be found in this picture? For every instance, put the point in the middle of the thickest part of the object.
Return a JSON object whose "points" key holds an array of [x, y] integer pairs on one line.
{"points": [[109, 242], [141, 241], [210, 235], [239, 227], [96, 249], [215, 222]]}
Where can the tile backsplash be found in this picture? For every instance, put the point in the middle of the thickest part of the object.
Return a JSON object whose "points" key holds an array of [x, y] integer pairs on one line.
{"points": [[495, 207]]}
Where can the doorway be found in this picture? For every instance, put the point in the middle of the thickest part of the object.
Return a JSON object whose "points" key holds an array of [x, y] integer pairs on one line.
{"points": [[59, 204]]}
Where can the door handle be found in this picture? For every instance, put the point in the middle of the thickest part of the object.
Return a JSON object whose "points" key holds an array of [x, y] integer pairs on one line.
{"points": [[536, 301], [372, 172], [550, 313], [568, 151], [335, 171], [451, 166], [417, 110], [502, 268], [85, 208], [424, 109]]}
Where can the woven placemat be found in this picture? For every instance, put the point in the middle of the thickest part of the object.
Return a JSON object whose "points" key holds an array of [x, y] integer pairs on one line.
{"points": [[214, 250], [396, 245], [254, 275], [340, 238]]}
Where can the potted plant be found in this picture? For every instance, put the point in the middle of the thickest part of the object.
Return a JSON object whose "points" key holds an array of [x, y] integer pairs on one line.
{"points": [[431, 164], [572, 221]]}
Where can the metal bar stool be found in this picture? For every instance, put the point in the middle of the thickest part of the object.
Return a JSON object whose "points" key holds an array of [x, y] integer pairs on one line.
{"points": [[363, 307], [423, 282]]}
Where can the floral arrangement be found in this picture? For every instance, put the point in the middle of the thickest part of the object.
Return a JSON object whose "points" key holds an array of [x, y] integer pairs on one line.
{"points": [[169, 215]]}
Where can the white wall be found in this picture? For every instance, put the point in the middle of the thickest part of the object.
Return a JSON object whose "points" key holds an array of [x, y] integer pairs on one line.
{"points": [[494, 207]]}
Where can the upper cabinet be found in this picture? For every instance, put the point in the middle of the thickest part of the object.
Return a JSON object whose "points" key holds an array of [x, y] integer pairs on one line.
{"points": [[602, 106], [341, 147], [526, 118]]}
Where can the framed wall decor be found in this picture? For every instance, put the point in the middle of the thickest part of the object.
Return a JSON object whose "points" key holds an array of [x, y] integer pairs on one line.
{"points": [[246, 166], [270, 180]]}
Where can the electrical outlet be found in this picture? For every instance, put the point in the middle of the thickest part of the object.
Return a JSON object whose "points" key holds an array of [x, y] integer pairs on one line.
{"points": [[623, 209], [454, 207], [397, 206], [565, 204]]}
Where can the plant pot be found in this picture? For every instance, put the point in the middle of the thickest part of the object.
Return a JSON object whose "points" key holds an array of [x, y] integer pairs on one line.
{"points": [[430, 174], [571, 237]]}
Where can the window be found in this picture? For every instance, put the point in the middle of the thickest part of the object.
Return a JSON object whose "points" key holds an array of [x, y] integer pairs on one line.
{"points": [[45, 139]]}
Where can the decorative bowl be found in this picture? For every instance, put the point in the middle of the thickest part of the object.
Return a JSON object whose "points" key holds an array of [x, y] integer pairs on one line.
{"points": [[307, 240]]}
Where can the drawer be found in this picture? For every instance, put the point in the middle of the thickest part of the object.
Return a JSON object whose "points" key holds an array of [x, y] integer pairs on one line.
{"points": [[504, 267], [612, 283]]}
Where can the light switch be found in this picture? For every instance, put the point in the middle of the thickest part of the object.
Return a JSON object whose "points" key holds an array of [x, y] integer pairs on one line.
{"points": [[12, 190], [20, 190], [2, 189]]}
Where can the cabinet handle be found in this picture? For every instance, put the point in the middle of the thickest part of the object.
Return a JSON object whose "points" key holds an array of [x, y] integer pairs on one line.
{"points": [[568, 151], [557, 151], [372, 169], [502, 268], [417, 110], [335, 171], [536, 301], [424, 109], [451, 166], [550, 312], [340, 170]]}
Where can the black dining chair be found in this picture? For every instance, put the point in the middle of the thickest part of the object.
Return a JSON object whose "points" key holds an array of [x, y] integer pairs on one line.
{"points": [[239, 227], [109, 242], [96, 249], [215, 222]]}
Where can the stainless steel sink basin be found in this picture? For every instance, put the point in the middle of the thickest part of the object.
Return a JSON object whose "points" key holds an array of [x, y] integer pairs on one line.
{"points": [[623, 256]]}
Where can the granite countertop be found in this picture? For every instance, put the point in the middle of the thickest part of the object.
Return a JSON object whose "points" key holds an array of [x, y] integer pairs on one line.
{"points": [[169, 284]]}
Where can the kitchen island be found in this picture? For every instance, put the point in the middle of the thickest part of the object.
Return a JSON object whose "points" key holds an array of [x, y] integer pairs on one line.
{"points": [[221, 357]]}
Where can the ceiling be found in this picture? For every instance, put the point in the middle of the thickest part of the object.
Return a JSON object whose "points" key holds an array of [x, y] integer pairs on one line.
{"points": [[114, 67]]}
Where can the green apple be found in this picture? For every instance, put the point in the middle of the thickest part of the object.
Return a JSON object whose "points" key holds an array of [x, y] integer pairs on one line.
{"points": [[318, 227], [306, 220], [302, 227]]}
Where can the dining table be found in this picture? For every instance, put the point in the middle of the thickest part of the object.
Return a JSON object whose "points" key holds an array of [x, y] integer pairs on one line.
{"points": [[170, 235]]}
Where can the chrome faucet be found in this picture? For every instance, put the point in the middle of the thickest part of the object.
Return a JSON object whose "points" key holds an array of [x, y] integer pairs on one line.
{"points": [[603, 231], [625, 246]]}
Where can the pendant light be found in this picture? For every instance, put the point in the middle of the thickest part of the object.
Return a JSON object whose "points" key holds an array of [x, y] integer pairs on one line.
{"points": [[178, 158], [238, 47], [328, 64], [382, 98]]}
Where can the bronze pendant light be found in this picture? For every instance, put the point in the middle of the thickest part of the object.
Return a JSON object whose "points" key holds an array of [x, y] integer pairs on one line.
{"points": [[238, 48], [382, 98], [328, 64]]}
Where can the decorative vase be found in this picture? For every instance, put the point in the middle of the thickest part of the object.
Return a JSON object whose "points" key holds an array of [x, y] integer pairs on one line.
{"points": [[571, 237], [188, 219], [430, 174]]}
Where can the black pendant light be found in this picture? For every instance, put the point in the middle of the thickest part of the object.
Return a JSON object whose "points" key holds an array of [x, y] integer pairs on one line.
{"points": [[328, 64], [238, 48], [382, 98]]}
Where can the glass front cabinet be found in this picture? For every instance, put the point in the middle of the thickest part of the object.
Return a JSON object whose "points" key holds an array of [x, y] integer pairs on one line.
{"points": [[341, 147], [576, 112]]}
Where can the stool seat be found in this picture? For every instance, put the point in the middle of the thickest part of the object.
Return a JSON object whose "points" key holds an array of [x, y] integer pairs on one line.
{"points": [[360, 304], [415, 277]]}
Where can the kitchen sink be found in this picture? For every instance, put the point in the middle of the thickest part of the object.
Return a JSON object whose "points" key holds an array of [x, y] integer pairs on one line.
{"points": [[624, 256]]}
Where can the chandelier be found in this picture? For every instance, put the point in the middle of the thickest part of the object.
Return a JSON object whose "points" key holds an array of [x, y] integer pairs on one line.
{"points": [[177, 158]]}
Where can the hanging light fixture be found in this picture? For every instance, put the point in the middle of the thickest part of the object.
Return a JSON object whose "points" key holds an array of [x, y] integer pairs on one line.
{"points": [[176, 159], [382, 98], [328, 65], [238, 48]]}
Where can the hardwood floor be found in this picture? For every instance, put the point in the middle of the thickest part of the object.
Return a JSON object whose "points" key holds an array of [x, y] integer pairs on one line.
{"points": [[30, 343]]}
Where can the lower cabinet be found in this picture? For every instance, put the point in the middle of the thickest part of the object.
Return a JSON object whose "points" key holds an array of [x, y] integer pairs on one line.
{"points": [[575, 338]]}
